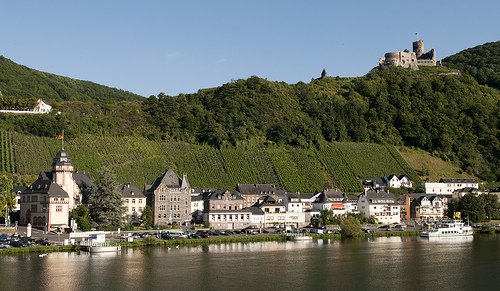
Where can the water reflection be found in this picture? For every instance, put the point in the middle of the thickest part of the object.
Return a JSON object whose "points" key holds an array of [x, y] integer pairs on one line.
{"points": [[404, 263]]}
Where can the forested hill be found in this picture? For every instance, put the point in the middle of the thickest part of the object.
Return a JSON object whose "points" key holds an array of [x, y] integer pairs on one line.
{"points": [[482, 62], [434, 109], [442, 110], [23, 82]]}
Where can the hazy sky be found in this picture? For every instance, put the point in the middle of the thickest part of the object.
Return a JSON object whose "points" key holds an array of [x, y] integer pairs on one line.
{"points": [[149, 47]]}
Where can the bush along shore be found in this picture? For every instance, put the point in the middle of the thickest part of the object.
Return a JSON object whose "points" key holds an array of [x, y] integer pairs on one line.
{"points": [[152, 241]]}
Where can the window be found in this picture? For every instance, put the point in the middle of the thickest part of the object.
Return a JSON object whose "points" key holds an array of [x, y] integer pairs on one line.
{"points": [[34, 199], [126, 201], [34, 208], [140, 201], [140, 209], [162, 198], [133, 209], [133, 201], [58, 208]]}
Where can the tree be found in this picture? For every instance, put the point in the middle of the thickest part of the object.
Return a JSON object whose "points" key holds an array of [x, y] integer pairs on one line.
{"points": [[7, 198], [350, 227], [147, 216], [81, 214], [326, 217], [491, 205], [105, 201]]}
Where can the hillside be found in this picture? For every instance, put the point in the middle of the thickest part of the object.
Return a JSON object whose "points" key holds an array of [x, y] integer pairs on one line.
{"points": [[140, 161], [20, 81], [482, 62], [434, 109], [447, 114]]}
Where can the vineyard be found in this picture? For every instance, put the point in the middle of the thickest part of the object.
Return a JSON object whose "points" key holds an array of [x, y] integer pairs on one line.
{"points": [[140, 161]]}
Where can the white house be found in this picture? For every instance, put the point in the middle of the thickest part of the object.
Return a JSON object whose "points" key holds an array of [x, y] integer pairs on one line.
{"points": [[42, 107], [133, 200], [380, 204], [427, 207], [449, 185], [393, 181], [294, 203]]}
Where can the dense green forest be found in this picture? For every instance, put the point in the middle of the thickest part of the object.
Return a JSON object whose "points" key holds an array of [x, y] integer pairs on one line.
{"points": [[446, 112], [449, 115], [482, 62]]}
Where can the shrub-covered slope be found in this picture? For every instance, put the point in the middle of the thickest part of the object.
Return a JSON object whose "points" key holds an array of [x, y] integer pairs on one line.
{"points": [[20, 81]]}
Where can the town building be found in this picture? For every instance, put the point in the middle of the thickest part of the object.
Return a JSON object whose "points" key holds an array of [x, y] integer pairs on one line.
{"points": [[48, 202], [134, 202], [380, 204], [170, 199], [393, 181], [428, 207], [252, 192], [449, 185]]}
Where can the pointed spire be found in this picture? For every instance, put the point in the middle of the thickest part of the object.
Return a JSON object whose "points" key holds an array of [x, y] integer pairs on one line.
{"points": [[185, 182]]}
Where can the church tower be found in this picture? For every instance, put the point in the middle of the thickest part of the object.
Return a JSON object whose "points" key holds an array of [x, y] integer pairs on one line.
{"points": [[62, 175]]}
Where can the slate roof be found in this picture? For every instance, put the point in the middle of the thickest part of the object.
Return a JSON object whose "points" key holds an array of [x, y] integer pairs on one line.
{"points": [[61, 158], [169, 179], [19, 189], [254, 210], [130, 191], [376, 196], [46, 187], [219, 195], [197, 198], [333, 193], [468, 190], [82, 179], [263, 189]]}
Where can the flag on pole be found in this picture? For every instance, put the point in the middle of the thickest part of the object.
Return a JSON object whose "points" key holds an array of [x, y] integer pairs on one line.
{"points": [[60, 136]]}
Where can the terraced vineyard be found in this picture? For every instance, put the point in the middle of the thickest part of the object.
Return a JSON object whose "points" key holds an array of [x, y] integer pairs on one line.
{"points": [[343, 175], [140, 161], [7, 153]]}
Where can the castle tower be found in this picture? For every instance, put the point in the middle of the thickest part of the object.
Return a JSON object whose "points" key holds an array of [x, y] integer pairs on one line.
{"points": [[418, 47], [62, 175]]}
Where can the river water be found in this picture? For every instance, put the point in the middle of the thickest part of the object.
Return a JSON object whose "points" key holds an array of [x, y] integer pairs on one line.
{"points": [[393, 263]]}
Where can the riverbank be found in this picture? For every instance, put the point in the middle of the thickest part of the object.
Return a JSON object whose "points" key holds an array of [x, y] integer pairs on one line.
{"points": [[152, 241]]}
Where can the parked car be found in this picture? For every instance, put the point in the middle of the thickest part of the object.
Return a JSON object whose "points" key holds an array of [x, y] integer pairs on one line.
{"points": [[3, 237], [368, 230], [4, 245], [202, 234], [17, 244], [42, 242], [385, 227], [400, 227]]}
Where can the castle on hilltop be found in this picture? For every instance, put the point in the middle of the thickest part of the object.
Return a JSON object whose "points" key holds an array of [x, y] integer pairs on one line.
{"points": [[407, 59]]}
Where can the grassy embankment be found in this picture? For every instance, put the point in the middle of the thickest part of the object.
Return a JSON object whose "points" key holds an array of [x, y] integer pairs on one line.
{"points": [[196, 242]]}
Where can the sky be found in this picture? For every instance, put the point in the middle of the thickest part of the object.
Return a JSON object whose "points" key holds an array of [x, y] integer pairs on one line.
{"points": [[174, 47]]}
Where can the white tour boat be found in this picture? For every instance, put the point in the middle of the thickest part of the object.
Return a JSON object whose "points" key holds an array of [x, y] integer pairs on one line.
{"points": [[448, 228]]}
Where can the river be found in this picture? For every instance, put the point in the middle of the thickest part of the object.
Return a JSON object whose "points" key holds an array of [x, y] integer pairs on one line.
{"points": [[386, 263]]}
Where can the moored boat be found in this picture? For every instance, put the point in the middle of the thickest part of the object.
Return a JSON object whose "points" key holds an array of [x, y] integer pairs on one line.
{"points": [[100, 248], [298, 237], [448, 228]]}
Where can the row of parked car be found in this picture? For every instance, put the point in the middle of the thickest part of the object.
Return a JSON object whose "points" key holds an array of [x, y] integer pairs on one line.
{"points": [[17, 241]]}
